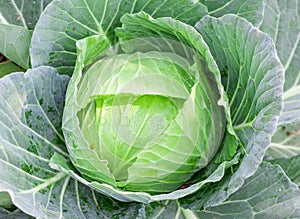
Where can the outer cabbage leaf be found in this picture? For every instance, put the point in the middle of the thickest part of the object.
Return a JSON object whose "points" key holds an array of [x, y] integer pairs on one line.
{"points": [[282, 23], [252, 10], [17, 19], [31, 111], [291, 166], [22, 13], [14, 44], [260, 196], [28, 115], [269, 193], [253, 79], [54, 39], [285, 142]]}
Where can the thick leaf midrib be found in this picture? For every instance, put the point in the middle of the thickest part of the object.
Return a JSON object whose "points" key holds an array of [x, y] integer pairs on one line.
{"points": [[63, 190], [59, 176]]}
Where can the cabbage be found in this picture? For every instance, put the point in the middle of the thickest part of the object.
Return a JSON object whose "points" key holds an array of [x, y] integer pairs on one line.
{"points": [[150, 109]]}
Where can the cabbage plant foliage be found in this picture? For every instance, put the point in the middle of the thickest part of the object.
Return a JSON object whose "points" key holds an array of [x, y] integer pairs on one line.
{"points": [[150, 109]]}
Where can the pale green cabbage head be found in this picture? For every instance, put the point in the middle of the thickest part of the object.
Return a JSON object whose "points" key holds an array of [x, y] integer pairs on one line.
{"points": [[152, 116]]}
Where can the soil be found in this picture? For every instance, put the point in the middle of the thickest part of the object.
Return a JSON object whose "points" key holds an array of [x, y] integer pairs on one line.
{"points": [[3, 58]]}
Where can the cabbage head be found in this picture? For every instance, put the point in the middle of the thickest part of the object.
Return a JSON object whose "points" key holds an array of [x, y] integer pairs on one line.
{"points": [[150, 119]]}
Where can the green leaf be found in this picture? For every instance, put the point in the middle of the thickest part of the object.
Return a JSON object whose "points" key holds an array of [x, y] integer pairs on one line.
{"points": [[285, 142], [253, 79], [267, 194], [164, 209], [58, 162], [14, 44], [54, 39], [9, 67], [252, 10], [30, 133], [5, 200], [30, 121], [282, 23], [291, 166], [23, 13], [17, 19]]}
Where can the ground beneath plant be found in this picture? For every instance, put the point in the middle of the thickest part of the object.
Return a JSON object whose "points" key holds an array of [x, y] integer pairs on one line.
{"points": [[3, 58]]}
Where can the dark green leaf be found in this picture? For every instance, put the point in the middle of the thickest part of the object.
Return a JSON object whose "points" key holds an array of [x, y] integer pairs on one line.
{"points": [[23, 13], [252, 10], [291, 166]]}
